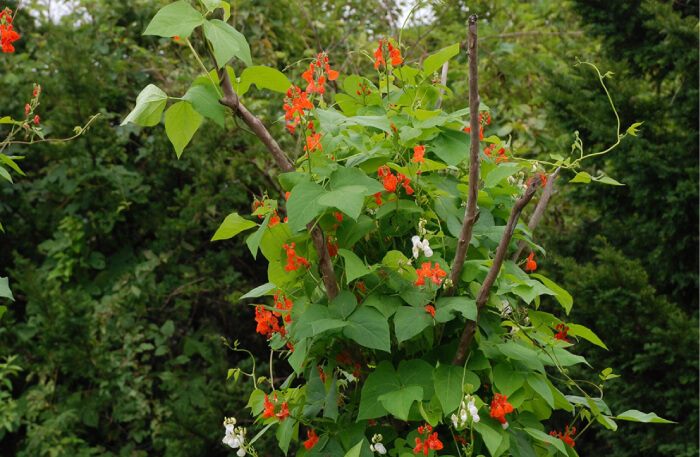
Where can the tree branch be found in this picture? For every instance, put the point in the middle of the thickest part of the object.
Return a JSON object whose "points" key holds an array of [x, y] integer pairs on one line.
{"points": [[470, 215], [483, 295], [539, 211], [285, 164]]}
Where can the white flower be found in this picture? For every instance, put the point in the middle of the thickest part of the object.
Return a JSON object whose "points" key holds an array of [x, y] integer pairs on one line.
{"points": [[504, 425], [454, 420], [378, 448], [475, 418], [419, 245], [463, 416]]}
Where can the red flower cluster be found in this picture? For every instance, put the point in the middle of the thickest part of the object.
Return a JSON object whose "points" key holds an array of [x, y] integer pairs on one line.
{"points": [[311, 442], [481, 123], [364, 89], [274, 220], [562, 331], [500, 154], [543, 177], [426, 270], [295, 103], [430, 309], [316, 75], [390, 181], [270, 409], [530, 264], [418, 153], [394, 54], [293, 260], [7, 35], [500, 407], [566, 437], [431, 442], [268, 323], [332, 245]]}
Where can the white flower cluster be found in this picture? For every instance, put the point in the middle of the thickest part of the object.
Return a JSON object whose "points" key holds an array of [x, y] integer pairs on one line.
{"points": [[377, 446], [518, 180], [466, 409], [235, 436], [419, 245]]}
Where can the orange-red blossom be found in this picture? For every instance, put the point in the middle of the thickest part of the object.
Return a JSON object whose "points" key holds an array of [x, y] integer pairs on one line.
{"points": [[434, 273]]}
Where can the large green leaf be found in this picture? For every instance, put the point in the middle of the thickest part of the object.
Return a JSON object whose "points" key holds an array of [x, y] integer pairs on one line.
{"points": [[354, 266], [175, 19], [149, 107], [226, 42], [368, 328], [398, 402], [435, 61], [409, 321], [285, 432], [5, 289], [205, 100], [638, 416], [232, 226], [501, 172], [562, 296], [490, 434], [506, 379], [448, 386], [348, 199], [379, 382], [181, 123], [344, 177], [539, 385], [264, 78], [452, 146], [446, 308], [303, 205]]}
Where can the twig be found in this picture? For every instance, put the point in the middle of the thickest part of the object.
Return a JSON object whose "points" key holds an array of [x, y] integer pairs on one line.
{"points": [[483, 295], [470, 215], [53, 140], [539, 211]]}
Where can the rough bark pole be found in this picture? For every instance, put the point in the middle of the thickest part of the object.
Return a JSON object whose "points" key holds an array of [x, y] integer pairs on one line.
{"points": [[539, 211], [470, 215], [286, 165], [483, 295]]}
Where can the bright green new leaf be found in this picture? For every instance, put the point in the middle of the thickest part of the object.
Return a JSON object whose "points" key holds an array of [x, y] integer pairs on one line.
{"points": [[175, 19], [587, 334], [409, 321], [2, 311], [632, 129], [259, 291], [354, 266], [5, 289], [181, 123], [226, 42], [368, 328], [562, 296], [435, 61], [253, 241], [149, 107], [263, 78], [232, 226], [11, 163], [213, 4], [582, 177], [637, 416], [6, 120], [609, 180], [500, 173], [303, 205], [205, 100], [5, 174]]}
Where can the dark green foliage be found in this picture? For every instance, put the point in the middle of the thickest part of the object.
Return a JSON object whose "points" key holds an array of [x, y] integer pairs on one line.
{"points": [[653, 346]]}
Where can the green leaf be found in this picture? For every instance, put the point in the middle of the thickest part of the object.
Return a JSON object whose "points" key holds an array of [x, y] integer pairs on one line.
{"points": [[500, 173], [632, 129], [587, 334], [175, 19], [378, 122], [263, 78], [369, 328], [506, 379], [330, 409], [5, 289], [539, 385], [253, 241], [354, 266], [205, 100], [582, 177], [545, 438], [492, 437], [11, 163], [259, 291], [447, 307], [349, 200], [168, 328], [303, 205], [519, 352], [637, 416], [285, 432], [6, 120], [5, 174], [379, 382], [435, 61], [530, 290], [212, 4], [398, 402], [562, 296], [355, 451], [409, 321], [448, 386], [149, 107], [609, 180], [232, 226], [227, 43], [2, 311], [181, 123], [344, 177], [452, 146]]}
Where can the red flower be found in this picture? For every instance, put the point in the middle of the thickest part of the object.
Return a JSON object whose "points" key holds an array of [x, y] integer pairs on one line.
{"points": [[332, 246], [176, 38], [316, 75], [284, 412], [544, 179], [395, 55], [418, 153], [269, 408], [562, 332], [293, 260], [431, 442], [27, 109], [530, 265], [378, 198], [500, 407], [311, 442], [566, 437], [426, 270], [379, 56], [313, 142], [431, 310], [8, 36]]}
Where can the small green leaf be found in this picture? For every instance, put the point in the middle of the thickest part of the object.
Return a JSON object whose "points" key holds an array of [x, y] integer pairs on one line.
{"points": [[2, 311], [175, 19], [499, 173], [637, 416], [259, 291], [205, 100], [435, 61], [303, 205], [5, 174], [632, 129], [6, 120], [586, 333], [181, 123], [11, 163], [452, 146], [562, 296], [506, 379], [609, 180], [355, 451], [491, 436], [168, 328], [149, 107], [582, 177], [212, 4], [379, 382], [354, 266], [264, 78], [232, 226], [226, 42], [253, 241], [5, 289], [545, 438]]}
